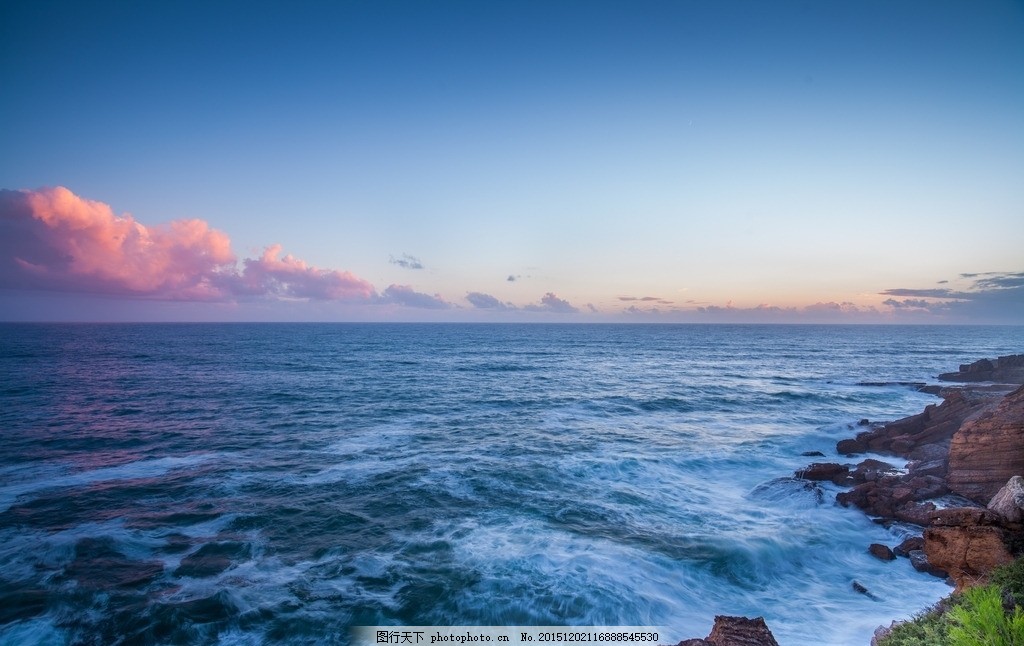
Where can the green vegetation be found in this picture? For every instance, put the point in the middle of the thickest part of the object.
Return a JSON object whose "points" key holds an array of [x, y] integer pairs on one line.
{"points": [[980, 618], [1011, 579], [927, 629], [989, 615]]}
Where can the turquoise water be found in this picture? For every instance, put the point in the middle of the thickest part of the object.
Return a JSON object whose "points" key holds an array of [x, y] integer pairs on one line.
{"points": [[279, 483]]}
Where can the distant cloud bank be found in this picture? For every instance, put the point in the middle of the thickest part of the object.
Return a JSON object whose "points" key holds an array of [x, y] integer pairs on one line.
{"points": [[993, 295], [53, 240], [548, 303]]}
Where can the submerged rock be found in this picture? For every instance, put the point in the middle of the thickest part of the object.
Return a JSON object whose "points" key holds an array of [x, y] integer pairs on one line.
{"points": [[859, 588], [824, 471], [789, 488], [881, 552]]}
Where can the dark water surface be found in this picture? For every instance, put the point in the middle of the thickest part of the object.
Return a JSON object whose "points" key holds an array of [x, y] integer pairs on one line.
{"points": [[278, 483]]}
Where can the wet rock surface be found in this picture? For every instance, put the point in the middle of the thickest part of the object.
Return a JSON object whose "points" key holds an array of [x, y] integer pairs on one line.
{"points": [[971, 445], [881, 552]]}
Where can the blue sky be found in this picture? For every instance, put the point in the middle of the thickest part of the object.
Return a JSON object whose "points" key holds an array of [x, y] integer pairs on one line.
{"points": [[783, 161]]}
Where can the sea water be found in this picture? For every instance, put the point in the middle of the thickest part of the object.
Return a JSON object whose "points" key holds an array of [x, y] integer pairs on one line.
{"points": [[243, 483]]}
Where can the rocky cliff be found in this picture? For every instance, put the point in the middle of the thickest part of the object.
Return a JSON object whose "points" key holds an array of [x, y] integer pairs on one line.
{"points": [[971, 444], [1006, 370], [988, 450]]}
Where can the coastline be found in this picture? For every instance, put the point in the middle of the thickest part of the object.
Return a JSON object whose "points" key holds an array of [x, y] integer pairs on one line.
{"points": [[960, 490]]}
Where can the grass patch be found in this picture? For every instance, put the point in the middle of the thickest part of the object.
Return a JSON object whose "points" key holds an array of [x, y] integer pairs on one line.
{"points": [[930, 628], [1010, 578]]}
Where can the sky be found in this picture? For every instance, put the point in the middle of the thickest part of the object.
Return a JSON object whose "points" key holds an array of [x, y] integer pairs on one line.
{"points": [[683, 161]]}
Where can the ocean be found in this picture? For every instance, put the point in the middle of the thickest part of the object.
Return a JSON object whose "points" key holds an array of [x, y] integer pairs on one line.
{"points": [[279, 483]]}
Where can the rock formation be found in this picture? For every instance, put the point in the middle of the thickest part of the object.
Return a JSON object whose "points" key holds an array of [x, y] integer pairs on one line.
{"points": [[1009, 501], [966, 553], [934, 426], [971, 444], [988, 450], [1007, 370], [736, 631]]}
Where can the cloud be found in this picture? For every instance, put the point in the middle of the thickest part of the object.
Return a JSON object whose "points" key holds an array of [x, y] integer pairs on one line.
{"points": [[908, 303], [829, 311], [921, 293], [406, 295], [52, 239], [292, 277], [407, 262], [483, 301], [999, 280], [639, 311], [645, 299], [512, 278], [551, 303], [982, 296]]}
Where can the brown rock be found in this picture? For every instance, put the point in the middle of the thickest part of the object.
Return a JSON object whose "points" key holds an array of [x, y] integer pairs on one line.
{"points": [[871, 469], [963, 517], [929, 452], [860, 496], [988, 450], [968, 553], [740, 631], [851, 447], [694, 642], [1008, 370], [935, 425], [918, 513], [937, 468], [881, 552], [926, 487], [823, 471]]}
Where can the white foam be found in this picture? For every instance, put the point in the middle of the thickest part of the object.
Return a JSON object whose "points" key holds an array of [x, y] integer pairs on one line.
{"points": [[45, 477]]}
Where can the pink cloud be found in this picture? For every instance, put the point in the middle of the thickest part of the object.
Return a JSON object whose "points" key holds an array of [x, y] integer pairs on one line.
{"points": [[290, 276], [53, 239]]}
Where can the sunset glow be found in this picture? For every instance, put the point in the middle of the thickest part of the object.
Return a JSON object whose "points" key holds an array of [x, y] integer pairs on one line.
{"points": [[596, 162]]}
